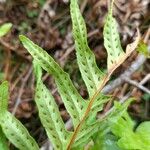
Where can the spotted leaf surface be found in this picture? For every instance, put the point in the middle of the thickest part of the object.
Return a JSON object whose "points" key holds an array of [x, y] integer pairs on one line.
{"points": [[74, 103], [91, 126], [11, 127], [49, 114], [97, 107], [112, 42], [116, 55], [85, 134], [101, 125], [91, 74], [83, 113], [17, 133]]}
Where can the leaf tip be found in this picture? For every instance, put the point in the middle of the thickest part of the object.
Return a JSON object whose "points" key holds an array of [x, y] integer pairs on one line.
{"points": [[22, 38]]}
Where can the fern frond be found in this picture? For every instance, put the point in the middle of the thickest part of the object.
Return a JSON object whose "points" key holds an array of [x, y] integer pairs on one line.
{"points": [[12, 128], [74, 103], [83, 113], [44, 60], [49, 113], [91, 74]]}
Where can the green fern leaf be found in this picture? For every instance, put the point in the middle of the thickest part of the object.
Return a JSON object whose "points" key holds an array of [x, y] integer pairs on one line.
{"points": [[83, 113], [17, 133], [49, 114], [74, 103], [105, 142], [12, 128], [112, 41], [116, 55], [4, 29], [91, 74]]}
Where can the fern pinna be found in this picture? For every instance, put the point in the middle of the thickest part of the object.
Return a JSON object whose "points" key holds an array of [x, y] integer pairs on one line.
{"points": [[82, 112]]}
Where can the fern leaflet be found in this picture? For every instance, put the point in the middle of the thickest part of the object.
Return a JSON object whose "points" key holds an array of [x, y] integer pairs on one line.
{"points": [[116, 55], [49, 113], [91, 74], [11, 127]]}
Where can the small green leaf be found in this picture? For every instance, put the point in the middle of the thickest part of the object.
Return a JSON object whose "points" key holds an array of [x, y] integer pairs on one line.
{"points": [[118, 111], [123, 125], [143, 49], [128, 139], [143, 130], [5, 28], [105, 142]]}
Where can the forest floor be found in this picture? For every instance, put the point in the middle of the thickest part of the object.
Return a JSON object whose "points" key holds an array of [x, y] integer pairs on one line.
{"points": [[48, 24]]}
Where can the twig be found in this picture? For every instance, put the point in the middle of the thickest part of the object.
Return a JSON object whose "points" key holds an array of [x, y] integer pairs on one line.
{"points": [[12, 48], [17, 80], [138, 85], [21, 90], [146, 78]]}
